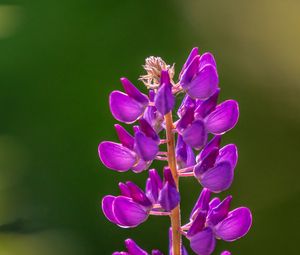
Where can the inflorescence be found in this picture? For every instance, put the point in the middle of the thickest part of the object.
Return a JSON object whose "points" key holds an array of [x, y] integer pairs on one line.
{"points": [[193, 150]]}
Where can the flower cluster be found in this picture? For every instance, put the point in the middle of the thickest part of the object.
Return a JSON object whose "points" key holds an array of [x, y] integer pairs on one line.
{"points": [[193, 150]]}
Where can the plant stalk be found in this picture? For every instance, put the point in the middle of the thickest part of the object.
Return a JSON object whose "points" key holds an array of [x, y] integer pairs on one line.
{"points": [[175, 213]]}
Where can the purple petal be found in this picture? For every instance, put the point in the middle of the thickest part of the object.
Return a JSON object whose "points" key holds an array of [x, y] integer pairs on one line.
{"points": [[153, 174], [190, 161], [198, 224], [223, 118], [140, 166], [120, 253], [138, 195], [218, 178], [204, 242], [146, 147], [189, 72], [186, 119], [229, 153], [195, 135], [186, 103], [184, 154], [124, 108], [168, 196], [194, 52], [183, 251], [136, 129], [204, 84], [133, 248], [128, 213], [153, 116], [165, 77], [124, 189], [168, 177], [125, 138], [153, 185], [133, 92], [151, 95], [207, 59], [147, 129], [202, 202], [116, 157], [225, 253], [213, 143], [220, 212], [164, 99], [107, 208], [214, 202], [205, 107], [235, 225], [207, 163], [181, 152], [151, 191]]}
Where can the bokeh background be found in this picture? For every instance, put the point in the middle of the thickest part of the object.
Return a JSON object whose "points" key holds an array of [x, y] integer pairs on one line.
{"points": [[58, 62]]}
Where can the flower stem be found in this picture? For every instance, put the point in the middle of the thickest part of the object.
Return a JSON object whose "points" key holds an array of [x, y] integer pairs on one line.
{"points": [[175, 213]]}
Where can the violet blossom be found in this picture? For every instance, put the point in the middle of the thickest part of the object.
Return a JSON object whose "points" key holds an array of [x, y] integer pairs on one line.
{"points": [[190, 146], [211, 220], [134, 205], [134, 249]]}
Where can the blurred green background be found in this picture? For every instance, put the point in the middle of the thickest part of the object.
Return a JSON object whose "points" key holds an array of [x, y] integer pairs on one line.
{"points": [[58, 62]]}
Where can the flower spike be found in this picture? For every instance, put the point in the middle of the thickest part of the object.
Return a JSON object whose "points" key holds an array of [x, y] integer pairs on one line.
{"points": [[188, 140]]}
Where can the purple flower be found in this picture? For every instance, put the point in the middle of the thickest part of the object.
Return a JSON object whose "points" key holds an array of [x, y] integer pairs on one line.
{"points": [[213, 220], [168, 196], [134, 205], [134, 153], [134, 249], [201, 122], [152, 115], [129, 106], [215, 167], [164, 98], [200, 117], [199, 76], [184, 154]]}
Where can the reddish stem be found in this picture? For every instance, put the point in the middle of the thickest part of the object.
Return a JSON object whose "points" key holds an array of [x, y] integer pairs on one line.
{"points": [[175, 213]]}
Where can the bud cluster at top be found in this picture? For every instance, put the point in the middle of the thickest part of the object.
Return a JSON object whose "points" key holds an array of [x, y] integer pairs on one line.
{"points": [[199, 125]]}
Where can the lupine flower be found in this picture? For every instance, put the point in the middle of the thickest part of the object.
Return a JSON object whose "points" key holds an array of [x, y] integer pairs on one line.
{"points": [[200, 117], [134, 249], [199, 76], [134, 153], [164, 98], [213, 220], [152, 115], [129, 106], [134, 205], [184, 154], [215, 167]]}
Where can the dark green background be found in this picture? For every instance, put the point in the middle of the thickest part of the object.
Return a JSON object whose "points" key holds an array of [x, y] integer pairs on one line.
{"points": [[58, 62]]}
